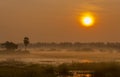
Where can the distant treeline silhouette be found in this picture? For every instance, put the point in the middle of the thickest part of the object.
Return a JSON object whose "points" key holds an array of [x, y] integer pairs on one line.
{"points": [[77, 46], [12, 46]]}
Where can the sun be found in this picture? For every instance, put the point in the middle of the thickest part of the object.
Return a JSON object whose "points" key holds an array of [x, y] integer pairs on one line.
{"points": [[87, 20]]}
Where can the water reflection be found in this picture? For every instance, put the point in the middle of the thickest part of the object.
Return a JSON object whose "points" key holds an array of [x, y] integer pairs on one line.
{"points": [[81, 74]]}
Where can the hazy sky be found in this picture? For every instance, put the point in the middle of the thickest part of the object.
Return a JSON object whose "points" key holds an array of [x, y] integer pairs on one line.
{"points": [[57, 20]]}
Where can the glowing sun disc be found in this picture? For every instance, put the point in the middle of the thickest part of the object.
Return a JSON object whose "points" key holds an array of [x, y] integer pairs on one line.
{"points": [[87, 20]]}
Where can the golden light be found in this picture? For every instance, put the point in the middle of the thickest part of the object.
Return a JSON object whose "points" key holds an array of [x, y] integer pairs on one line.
{"points": [[87, 19]]}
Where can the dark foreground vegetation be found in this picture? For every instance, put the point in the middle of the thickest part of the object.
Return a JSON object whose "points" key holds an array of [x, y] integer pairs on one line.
{"points": [[19, 69]]}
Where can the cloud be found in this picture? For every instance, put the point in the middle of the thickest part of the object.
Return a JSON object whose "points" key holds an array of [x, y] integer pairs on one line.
{"points": [[89, 5]]}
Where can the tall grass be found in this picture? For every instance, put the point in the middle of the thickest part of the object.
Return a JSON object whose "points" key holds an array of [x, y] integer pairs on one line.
{"points": [[19, 69]]}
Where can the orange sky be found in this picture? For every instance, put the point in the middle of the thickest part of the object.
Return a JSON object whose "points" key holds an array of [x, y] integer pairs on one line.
{"points": [[56, 20]]}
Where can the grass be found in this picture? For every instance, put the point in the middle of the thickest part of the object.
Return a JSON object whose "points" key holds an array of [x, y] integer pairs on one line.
{"points": [[20, 69]]}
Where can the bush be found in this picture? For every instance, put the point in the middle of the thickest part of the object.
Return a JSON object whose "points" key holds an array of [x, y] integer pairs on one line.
{"points": [[9, 45]]}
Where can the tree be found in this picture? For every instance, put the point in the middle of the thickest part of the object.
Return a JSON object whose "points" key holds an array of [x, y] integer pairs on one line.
{"points": [[26, 42], [9, 45]]}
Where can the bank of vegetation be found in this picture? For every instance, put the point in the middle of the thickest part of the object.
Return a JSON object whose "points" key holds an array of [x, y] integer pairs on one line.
{"points": [[20, 69]]}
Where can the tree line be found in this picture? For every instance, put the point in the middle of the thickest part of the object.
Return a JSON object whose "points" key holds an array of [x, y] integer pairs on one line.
{"points": [[13, 46], [63, 45]]}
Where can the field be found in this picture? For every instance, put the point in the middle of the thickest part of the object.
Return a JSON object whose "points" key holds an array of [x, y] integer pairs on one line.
{"points": [[58, 57], [21, 69], [38, 63]]}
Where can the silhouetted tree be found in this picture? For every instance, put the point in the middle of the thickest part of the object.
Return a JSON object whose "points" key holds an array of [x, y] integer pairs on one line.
{"points": [[26, 42], [9, 45]]}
